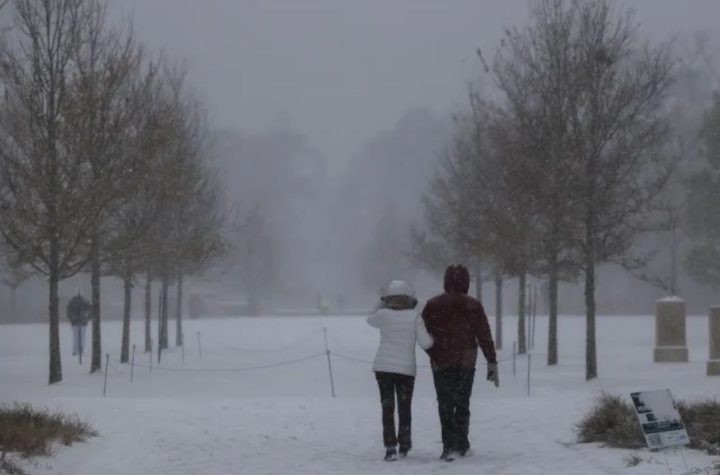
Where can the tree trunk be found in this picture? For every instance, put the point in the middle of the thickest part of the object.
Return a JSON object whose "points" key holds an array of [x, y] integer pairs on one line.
{"points": [[589, 255], [178, 311], [498, 312], [590, 307], [96, 357], [478, 282], [148, 313], [54, 314], [553, 313], [522, 342], [127, 305], [164, 313], [159, 316]]}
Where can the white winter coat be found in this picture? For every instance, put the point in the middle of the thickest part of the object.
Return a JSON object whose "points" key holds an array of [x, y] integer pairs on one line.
{"points": [[400, 330]]}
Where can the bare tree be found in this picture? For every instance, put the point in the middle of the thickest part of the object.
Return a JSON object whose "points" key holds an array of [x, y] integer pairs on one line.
{"points": [[191, 210], [45, 211], [616, 130], [129, 224], [619, 132], [703, 211], [584, 100], [531, 70], [107, 98], [198, 225]]}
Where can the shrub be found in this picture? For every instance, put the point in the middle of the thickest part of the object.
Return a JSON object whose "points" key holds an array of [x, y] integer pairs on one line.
{"points": [[702, 420], [31, 432], [612, 422]]}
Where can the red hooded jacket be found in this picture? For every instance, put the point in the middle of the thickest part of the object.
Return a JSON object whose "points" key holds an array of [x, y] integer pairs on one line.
{"points": [[457, 323]]}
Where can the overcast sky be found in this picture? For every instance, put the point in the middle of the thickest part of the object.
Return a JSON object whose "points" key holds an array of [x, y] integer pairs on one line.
{"points": [[342, 70]]}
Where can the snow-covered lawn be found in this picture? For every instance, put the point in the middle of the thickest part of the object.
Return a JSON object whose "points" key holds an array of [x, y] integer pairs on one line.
{"points": [[214, 416]]}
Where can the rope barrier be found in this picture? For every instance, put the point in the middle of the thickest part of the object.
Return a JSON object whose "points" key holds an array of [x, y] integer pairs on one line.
{"points": [[230, 370], [351, 358], [286, 346], [362, 360], [274, 365], [120, 367]]}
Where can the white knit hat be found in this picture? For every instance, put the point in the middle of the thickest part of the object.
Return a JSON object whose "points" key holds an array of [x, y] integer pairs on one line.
{"points": [[396, 288]]}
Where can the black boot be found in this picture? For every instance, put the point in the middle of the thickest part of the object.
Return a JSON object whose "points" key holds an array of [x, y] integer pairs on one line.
{"points": [[404, 451], [390, 454], [448, 455]]}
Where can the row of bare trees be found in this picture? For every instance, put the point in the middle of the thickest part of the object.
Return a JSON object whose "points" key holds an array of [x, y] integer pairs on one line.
{"points": [[561, 165], [103, 161]]}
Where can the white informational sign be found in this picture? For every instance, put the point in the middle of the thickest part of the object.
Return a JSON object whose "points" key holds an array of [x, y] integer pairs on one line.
{"points": [[659, 418]]}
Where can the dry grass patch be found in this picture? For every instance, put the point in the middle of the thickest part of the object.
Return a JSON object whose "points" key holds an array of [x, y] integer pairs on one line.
{"points": [[30, 432], [612, 422]]}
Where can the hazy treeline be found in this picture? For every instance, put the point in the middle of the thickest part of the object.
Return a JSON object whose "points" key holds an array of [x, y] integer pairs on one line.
{"points": [[583, 160]]}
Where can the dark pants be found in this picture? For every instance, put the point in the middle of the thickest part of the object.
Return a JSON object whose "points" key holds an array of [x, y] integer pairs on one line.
{"points": [[453, 386], [392, 385]]}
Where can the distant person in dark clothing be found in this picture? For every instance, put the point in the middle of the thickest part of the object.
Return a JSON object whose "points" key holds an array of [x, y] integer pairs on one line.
{"points": [[78, 312], [458, 325]]}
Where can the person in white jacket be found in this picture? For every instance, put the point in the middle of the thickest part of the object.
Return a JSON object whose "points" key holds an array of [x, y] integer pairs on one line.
{"points": [[401, 328]]}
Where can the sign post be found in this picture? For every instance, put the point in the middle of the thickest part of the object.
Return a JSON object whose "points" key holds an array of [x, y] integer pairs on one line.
{"points": [[659, 418]]}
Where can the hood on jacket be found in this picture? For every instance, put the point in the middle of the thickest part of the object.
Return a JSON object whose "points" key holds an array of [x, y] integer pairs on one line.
{"points": [[457, 279], [395, 288], [398, 295]]}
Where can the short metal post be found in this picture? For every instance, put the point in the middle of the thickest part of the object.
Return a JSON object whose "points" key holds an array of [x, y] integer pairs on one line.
{"points": [[327, 352], [80, 343], [159, 348], [132, 365], [529, 357], [107, 363], [160, 318], [528, 315], [514, 358]]}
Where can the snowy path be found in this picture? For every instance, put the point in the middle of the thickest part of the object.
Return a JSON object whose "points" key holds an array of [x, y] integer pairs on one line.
{"points": [[282, 420]]}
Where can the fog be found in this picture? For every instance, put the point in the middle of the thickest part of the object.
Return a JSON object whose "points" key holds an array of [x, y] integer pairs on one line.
{"points": [[328, 118], [342, 71]]}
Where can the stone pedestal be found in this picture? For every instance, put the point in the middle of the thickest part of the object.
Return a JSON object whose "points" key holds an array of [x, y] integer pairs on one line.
{"points": [[670, 344], [713, 366]]}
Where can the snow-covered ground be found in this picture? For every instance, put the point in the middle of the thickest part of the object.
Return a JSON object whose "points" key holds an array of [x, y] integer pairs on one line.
{"points": [[215, 416]]}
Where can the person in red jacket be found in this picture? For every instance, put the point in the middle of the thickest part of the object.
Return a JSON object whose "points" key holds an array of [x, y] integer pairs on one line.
{"points": [[458, 325]]}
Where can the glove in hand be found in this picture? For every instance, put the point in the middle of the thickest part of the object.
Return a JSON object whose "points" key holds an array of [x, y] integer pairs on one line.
{"points": [[492, 374]]}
